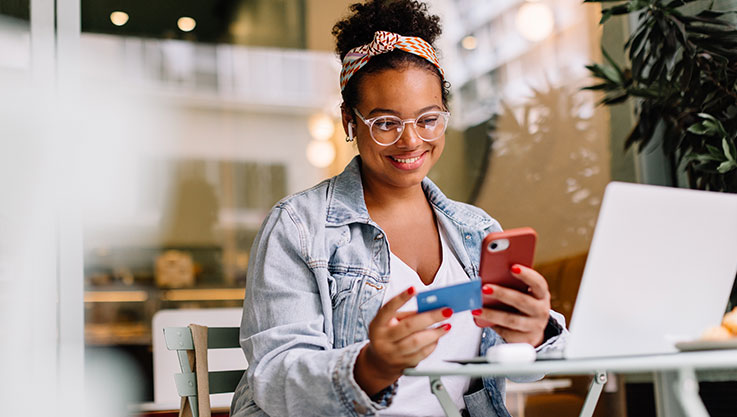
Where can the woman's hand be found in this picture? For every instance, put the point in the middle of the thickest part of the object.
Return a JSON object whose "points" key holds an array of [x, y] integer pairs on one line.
{"points": [[527, 326], [397, 340]]}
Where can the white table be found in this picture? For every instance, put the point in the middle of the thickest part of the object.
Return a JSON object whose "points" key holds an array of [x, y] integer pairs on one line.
{"points": [[676, 386]]}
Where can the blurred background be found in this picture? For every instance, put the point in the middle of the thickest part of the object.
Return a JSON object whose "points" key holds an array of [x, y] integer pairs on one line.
{"points": [[142, 144]]}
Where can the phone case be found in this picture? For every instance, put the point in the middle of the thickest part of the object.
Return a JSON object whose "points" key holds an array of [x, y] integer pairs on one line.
{"points": [[495, 265]]}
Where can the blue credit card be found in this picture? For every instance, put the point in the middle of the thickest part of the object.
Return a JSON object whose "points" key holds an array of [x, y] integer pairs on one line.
{"points": [[459, 297]]}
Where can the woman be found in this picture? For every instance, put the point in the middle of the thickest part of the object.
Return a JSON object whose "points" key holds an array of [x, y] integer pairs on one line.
{"points": [[327, 328]]}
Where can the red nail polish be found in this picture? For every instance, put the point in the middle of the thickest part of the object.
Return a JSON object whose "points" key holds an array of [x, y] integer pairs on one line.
{"points": [[411, 290], [476, 312], [445, 326], [516, 269], [486, 289], [447, 312]]}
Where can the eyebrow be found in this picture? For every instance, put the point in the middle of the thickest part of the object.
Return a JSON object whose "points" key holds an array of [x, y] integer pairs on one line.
{"points": [[396, 113]]}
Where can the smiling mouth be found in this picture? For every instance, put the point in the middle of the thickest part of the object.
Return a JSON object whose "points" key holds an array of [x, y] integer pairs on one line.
{"points": [[406, 160]]}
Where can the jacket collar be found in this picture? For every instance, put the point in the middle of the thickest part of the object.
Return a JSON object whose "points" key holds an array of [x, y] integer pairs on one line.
{"points": [[346, 202], [345, 197]]}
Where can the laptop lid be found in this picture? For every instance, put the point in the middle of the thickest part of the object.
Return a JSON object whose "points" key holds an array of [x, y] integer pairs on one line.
{"points": [[660, 269]]}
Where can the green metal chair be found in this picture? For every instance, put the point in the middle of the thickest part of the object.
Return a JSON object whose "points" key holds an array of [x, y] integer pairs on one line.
{"points": [[181, 340]]}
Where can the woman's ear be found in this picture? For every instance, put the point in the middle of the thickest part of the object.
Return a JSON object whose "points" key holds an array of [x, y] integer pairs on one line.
{"points": [[348, 125]]}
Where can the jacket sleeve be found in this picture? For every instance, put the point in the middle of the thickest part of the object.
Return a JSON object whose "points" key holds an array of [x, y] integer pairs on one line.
{"points": [[293, 368], [556, 337]]}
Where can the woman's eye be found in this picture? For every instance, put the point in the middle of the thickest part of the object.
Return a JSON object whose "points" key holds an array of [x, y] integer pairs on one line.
{"points": [[386, 124], [428, 121]]}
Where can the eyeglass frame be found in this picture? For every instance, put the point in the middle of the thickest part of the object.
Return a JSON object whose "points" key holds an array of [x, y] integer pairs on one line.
{"points": [[370, 123]]}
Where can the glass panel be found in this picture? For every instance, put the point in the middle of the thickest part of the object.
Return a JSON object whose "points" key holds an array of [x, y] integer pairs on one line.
{"points": [[534, 148], [203, 215], [15, 35], [188, 145], [242, 22]]}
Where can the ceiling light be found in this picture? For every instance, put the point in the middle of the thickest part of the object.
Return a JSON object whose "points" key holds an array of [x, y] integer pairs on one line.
{"points": [[320, 153], [321, 127], [186, 24], [469, 42], [119, 18], [535, 21]]}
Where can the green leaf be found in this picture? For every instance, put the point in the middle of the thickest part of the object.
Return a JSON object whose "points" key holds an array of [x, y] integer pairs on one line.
{"points": [[649, 41], [678, 3], [598, 87], [612, 63], [701, 19], [726, 166], [711, 126], [634, 136], [615, 99], [715, 152], [698, 129], [713, 123], [652, 93], [714, 14], [597, 70], [612, 74], [616, 10], [605, 15], [681, 31], [729, 150], [708, 30], [707, 116], [633, 6], [706, 158]]}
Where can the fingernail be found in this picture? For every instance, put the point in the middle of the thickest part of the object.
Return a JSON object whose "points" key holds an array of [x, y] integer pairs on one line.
{"points": [[516, 269], [486, 289], [411, 290], [447, 312], [476, 312], [445, 326]]}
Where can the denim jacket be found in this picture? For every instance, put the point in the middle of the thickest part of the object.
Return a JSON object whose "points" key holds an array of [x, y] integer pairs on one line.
{"points": [[316, 278]]}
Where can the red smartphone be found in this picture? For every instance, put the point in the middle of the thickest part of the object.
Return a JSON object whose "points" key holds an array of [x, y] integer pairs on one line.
{"points": [[501, 250]]}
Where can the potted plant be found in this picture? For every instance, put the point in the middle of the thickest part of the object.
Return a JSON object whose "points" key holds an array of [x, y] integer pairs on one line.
{"points": [[683, 76]]}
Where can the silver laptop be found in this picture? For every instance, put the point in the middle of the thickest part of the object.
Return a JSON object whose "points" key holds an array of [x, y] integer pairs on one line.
{"points": [[660, 270]]}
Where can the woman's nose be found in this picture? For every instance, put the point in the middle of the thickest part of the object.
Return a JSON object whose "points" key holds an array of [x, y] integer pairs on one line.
{"points": [[409, 137]]}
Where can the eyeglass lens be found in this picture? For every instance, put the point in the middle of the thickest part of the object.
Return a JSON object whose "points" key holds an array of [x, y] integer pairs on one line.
{"points": [[429, 126]]}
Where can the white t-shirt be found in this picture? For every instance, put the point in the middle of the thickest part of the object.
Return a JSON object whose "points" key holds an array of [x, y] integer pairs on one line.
{"points": [[414, 397]]}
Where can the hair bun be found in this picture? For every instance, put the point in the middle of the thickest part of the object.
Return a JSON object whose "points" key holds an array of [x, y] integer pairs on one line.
{"points": [[405, 17]]}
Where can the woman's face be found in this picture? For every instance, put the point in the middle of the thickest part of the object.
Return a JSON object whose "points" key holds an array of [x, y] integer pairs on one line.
{"points": [[405, 93]]}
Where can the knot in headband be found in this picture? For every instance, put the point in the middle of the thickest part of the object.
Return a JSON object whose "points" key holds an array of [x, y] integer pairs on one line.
{"points": [[385, 42]]}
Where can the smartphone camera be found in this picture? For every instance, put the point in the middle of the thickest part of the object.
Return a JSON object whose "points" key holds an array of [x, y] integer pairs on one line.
{"points": [[498, 245]]}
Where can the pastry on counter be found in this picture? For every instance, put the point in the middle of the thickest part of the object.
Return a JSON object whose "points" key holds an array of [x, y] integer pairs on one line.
{"points": [[727, 330], [717, 333], [730, 321], [175, 269]]}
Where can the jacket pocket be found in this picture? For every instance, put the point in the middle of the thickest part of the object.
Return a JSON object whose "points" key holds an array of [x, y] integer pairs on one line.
{"points": [[372, 295], [344, 287], [478, 404]]}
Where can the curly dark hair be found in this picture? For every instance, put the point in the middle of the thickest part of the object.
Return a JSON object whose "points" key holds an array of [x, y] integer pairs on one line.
{"points": [[405, 17]]}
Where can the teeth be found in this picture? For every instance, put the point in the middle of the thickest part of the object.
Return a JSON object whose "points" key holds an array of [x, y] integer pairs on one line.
{"points": [[406, 161]]}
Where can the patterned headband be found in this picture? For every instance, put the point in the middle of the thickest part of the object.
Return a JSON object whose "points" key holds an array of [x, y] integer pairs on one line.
{"points": [[384, 42]]}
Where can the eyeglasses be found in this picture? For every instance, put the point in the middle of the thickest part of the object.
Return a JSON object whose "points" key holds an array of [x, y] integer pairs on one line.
{"points": [[386, 130]]}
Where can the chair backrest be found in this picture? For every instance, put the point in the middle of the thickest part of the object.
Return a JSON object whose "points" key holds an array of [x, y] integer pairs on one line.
{"points": [[180, 339], [166, 364]]}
